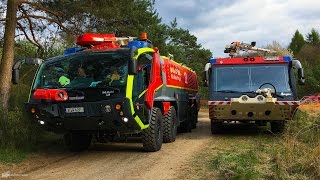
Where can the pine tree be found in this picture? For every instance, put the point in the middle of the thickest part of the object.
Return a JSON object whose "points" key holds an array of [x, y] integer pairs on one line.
{"points": [[313, 37], [297, 42]]}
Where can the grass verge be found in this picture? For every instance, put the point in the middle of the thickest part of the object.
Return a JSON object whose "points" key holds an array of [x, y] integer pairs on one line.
{"points": [[263, 155], [11, 155]]}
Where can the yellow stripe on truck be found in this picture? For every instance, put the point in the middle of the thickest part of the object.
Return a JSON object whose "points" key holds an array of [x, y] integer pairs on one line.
{"points": [[129, 88]]}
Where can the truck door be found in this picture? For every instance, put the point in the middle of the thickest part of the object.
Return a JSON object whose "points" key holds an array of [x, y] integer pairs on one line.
{"points": [[140, 85]]}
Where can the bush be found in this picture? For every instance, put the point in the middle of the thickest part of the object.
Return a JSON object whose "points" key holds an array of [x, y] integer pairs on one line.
{"points": [[297, 156], [21, 132]]}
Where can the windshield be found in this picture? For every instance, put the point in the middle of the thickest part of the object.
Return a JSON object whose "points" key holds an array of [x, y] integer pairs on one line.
{"points": [[85, 70], [246, 79]]}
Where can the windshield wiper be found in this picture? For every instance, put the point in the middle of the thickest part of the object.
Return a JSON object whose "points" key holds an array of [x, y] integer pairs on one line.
{"points": [[232, 91], [244, 92], [51, 87], [104, 86]]}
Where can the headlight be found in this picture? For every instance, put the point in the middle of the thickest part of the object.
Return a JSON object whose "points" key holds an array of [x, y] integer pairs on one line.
{"points": [[260, 98], [244, 98], [125, 119]]}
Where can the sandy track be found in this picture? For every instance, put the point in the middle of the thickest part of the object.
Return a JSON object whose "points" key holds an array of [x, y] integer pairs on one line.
{"points": [[128, 161]]}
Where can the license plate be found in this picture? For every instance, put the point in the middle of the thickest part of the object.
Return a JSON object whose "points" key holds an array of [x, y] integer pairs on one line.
{"points": [[75, 110]]}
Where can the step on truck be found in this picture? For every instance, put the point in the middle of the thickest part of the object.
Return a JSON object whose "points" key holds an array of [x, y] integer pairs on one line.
{"points": [[113, 87], [257, 89]]}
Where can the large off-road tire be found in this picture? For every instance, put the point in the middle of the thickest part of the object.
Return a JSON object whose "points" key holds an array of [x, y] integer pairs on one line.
{"points": [[152, 137], [277, 127], [185, 126], [170, 126], [77, 141], [194, 117], [216, 127]]}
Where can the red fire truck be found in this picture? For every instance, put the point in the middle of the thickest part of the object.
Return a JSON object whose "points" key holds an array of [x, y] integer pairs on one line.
{"points": [[113, 86], [257, 89]]}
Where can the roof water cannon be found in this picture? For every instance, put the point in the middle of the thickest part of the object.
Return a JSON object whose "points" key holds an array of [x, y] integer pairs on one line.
{"points": [[267, 92], [235, 47]]}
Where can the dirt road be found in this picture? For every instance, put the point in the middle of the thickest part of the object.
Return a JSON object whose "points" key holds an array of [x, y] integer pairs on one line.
{"points": [[127, 160]]}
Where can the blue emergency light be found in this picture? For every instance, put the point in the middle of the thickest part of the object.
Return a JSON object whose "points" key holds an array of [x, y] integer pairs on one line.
{"points": [[287, 58], [72, 50], [139, 44]]}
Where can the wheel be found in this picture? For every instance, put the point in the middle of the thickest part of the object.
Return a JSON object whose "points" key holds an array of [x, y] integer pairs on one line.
{"points": [[185, 126], [216, 127], [170, 126], [152, 137], [194, 117], [76, 141], [277, 127]]}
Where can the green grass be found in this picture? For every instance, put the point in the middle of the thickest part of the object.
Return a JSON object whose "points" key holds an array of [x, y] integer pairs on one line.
{"points": [[261, 155], [12, 155], [236, 165], [46, 143]]}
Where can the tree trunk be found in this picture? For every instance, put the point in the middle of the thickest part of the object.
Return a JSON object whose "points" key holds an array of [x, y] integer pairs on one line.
{"points": [[7, 62], [8, 54]]}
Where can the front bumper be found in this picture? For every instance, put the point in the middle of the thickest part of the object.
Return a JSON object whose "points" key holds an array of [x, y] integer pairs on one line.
{"points": [[86, 116], [238, 111]]}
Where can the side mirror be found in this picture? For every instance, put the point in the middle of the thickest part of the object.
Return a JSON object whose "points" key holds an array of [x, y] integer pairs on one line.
{"points": [[205, 74], [297, 64], [133, 63], [15, 76], [301, 80], [204, 79], [17, 65]]}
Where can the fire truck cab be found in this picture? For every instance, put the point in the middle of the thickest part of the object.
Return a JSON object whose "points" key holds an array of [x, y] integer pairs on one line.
{"points": [[256, 89]]}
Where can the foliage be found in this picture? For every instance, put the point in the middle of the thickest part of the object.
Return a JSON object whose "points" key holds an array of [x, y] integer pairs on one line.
{"points": [[262, 155], [185, 49], [276, 46], [297, 42], [313, 37], [123, 18], [11, 155], [310, 59], [21, 131], [297, 155]]}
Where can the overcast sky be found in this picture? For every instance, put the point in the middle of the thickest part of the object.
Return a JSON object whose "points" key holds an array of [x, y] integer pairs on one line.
{"points": [[219, 22]]}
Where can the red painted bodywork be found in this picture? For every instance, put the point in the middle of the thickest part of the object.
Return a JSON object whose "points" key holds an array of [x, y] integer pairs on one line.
{"points": [[166, 107], [98, 41], [50, 94], [180, 76], [249, 60], [177, 76], [155, 80]]}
